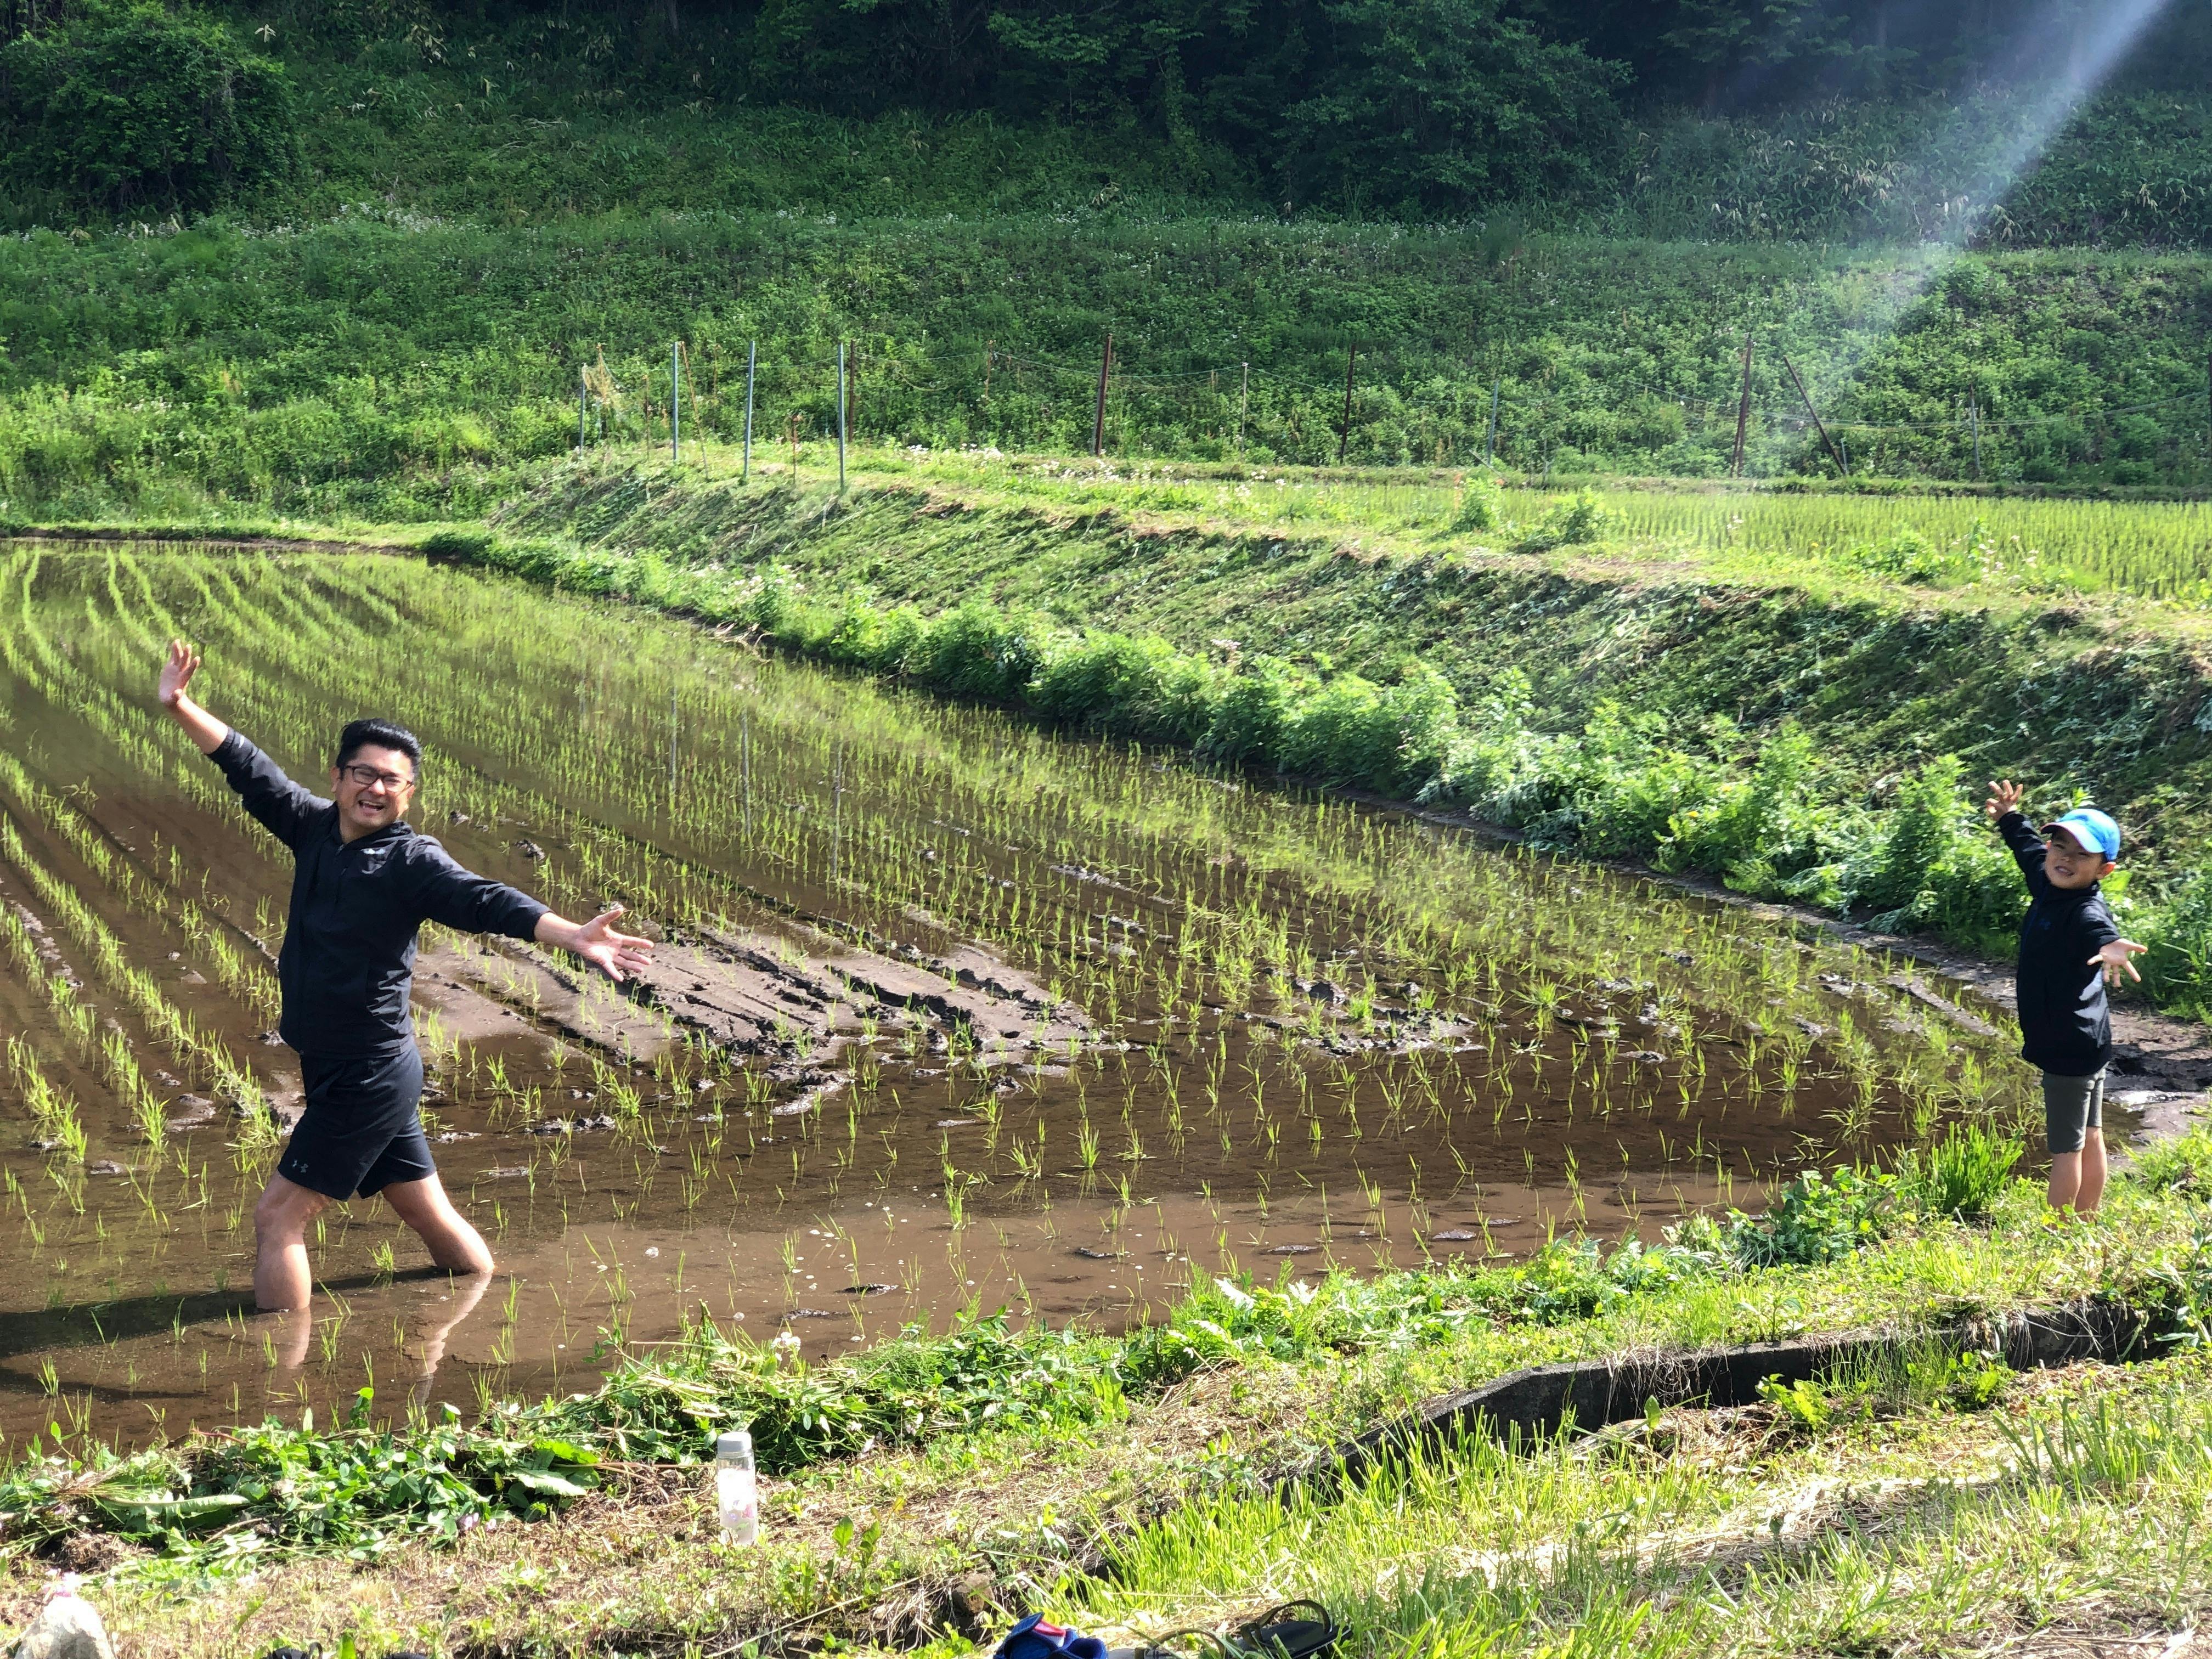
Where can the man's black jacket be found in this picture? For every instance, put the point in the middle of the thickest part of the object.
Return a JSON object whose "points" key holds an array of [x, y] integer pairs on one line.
{"points": [[349, 957], [2064, 1026]]}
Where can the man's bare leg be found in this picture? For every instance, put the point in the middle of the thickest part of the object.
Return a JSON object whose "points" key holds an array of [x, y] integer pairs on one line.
{"points": [[281, 1276], [453, 1244]]}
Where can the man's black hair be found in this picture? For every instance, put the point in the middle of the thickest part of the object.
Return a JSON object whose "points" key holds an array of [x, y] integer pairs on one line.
{"points": [[361, 734]]}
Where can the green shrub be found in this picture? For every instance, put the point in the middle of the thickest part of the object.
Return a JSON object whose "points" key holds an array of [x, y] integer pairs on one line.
{"points": [[978, 1375], [133, 107], [1907, 555], [2177, 968], [1815, 1219], [1144, 687], [1481, 504], [978, 651], [2183, 1164], [1572, 520], [1753, 832], [1255, 710], [1391, 738], [1230, 1321], [1934, 867]]}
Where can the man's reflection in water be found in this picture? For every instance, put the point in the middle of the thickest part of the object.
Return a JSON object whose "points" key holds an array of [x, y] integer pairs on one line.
{"points": [[438, 1321], [448, 1300]]}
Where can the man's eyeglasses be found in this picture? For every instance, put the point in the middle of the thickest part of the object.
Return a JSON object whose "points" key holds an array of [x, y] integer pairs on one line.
{"points": [[369, 775]]}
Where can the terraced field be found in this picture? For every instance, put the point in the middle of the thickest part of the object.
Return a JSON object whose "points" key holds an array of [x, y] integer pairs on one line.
{"points": [[949, 1011]]}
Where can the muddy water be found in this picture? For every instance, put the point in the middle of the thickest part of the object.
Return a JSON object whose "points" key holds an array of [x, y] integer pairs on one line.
{"points": [[948, 1013]]}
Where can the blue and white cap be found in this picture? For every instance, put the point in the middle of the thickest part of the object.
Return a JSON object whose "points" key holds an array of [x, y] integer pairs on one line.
{"points": [[2095, 831]]}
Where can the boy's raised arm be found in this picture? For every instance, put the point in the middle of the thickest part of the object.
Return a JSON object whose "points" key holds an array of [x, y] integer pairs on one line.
{"points": [[2003, 808]]}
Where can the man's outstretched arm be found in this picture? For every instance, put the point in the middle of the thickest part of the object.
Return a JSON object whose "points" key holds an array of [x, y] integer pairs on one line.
{"points": [[459, 898], [617, 955], [202, 727], [280, 804]]}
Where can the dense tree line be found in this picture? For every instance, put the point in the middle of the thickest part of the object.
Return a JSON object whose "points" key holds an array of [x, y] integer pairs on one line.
{"points": [[1430, 107]]}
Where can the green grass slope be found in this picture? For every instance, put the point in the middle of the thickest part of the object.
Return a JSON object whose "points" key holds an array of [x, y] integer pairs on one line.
{"points": [[2094, 692], [378, 367]]}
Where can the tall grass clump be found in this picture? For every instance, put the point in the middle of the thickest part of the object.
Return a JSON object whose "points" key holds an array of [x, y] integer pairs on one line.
{"points": [[1962, 1173]]}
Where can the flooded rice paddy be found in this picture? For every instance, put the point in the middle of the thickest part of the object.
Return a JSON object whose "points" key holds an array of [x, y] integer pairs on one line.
{"points": [[949, 1012]]}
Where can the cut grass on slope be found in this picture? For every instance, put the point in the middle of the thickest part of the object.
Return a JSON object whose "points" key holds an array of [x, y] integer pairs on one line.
{"points": [[1896, 1525], [1767, 718]]}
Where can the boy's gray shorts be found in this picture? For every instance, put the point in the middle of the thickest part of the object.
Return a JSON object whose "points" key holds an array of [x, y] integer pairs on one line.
{"points": [[2071, 1106]]}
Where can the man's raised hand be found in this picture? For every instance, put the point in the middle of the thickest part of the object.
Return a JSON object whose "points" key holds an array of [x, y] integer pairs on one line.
{"points": [[2004, 797], [176, 698], [177, 672], [618, 955]]}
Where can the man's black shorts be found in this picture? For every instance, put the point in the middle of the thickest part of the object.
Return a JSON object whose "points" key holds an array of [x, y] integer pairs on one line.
{"points": [[362, 1127]]}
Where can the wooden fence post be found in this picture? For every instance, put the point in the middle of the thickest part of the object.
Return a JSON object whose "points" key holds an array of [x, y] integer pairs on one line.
{"points": [[1243, 406], [675, 403], [1490, 443], [1743, 410], [1798, 380], [841, 418], [1099, 419]]}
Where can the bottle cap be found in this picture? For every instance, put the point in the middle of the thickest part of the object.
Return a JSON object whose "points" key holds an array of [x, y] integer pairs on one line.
{"points": [[737, 1443]]}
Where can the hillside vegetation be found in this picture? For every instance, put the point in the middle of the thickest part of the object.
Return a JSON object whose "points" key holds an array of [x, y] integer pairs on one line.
{"points": [[380, 367], [358, 260], [1806, 721]]}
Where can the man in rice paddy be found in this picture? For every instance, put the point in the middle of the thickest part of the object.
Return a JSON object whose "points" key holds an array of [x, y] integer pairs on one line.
{"points": [[363, 883], [2070, 949]]}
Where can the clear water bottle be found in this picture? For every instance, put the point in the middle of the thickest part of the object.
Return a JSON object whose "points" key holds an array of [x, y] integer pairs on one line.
{"points": [[736, 1488]]}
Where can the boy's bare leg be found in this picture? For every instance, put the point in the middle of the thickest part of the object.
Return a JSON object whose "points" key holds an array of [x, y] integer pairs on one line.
{"points": [[2092, 1190], [2077, 1179], [281, 1215], [2065, 1179], [453, 1244]]}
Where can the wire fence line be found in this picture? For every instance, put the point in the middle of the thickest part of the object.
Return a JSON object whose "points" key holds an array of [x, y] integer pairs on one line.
{"points": [[988, 395]]}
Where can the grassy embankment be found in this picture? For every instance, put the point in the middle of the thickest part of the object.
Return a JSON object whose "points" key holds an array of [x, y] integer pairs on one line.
{"points": [[2064, 1509]]}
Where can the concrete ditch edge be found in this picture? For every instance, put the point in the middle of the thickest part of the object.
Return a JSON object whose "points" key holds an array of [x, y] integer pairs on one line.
{"points": [[1526, 1406]]}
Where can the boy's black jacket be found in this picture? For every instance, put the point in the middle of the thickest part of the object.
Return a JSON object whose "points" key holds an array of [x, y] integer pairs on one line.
{"points": [[2065, 1027], [348, 955]]}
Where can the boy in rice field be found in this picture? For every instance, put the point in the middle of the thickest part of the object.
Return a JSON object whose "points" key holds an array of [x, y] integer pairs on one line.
{"points": [[363, 882], [2069, 951]]}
